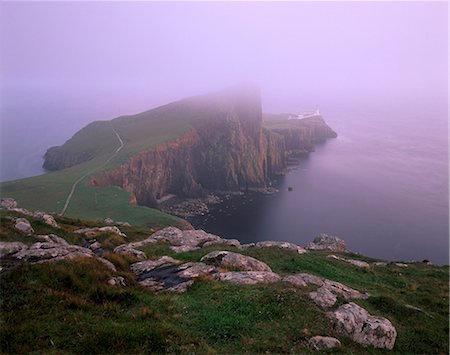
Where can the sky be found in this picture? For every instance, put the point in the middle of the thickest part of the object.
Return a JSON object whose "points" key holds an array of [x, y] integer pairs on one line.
{"points": [[65, 64], [147, 53]]}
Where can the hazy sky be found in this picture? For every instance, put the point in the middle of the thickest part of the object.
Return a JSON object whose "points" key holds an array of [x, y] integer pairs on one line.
{"points": [[132, 56]]}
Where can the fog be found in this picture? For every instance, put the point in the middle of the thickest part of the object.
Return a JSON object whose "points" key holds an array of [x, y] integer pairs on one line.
{"points": [[64, 65]]}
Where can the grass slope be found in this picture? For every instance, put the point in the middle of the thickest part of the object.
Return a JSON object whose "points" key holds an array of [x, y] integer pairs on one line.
{"points": [[67, 307], [98, 142]]}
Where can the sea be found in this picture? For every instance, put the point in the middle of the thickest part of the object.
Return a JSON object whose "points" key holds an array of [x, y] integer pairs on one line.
{"points": [[382, 185]]}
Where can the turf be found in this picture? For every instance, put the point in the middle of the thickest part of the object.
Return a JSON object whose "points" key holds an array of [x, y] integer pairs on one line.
{"points": [[67, 307]]}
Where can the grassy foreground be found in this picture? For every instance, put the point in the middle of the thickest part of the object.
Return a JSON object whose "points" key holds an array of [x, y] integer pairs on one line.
{"points": [[67, 307]]}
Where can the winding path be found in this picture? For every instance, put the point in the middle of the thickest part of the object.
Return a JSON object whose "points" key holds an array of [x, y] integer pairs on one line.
{"points": [[75, 184]]}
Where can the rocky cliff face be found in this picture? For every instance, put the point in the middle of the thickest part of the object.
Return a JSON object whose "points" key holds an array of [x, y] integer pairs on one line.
{"points": [[226, 149]]}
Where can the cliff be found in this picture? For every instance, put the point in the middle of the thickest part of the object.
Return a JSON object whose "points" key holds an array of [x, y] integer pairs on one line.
{"points": [[224, 147]]}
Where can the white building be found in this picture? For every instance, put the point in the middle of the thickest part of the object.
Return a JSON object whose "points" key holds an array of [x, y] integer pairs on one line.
{"points": [[305, 115]]}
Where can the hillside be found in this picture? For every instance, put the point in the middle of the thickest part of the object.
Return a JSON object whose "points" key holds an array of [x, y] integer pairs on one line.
{"points": [[189, 148], [68, 289]]}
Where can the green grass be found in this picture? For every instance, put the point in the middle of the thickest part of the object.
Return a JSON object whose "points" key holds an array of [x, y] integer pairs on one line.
{"points": [[67, 307]]}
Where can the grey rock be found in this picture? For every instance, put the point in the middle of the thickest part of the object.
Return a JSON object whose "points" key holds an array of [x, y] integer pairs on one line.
{"points": [[51, 238], [24, 226], [108, 221], [228, 259], [401, 265], [281, 245], [42, 252], [149, 265], [231, 242], [380, 263], [248, 277], [116, 281], [323, 297], [320, 342], [125, 250], [95, 246], [170, 276], [354, 262], [93, 232], [356, 323], [327, 242], [46, 218], [8, 203], [7, 248]]}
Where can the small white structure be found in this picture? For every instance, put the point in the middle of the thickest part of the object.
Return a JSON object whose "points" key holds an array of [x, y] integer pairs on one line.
{"points": [[305, 115]]}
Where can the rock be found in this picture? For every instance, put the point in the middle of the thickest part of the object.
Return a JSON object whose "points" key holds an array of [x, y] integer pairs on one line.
{"points": [[357, 263], [93, 232], [231, 242], [379, 263], [42, 252], [24, 226], [323, 297], [95, 246], [116, 281], [228, 259], [356, 323], [7, 248], [46, 218], [401, 265], [51, 238], [327, 242], [8, 203], [125, 250], [304, 279], [319, 342], [248, 277], [169, 276], [149, 265], [180, 241], [108, 221], [282, 245]]}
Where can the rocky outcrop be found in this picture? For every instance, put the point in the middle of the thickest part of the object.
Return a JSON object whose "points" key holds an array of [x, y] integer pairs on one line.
{"points": [[94, 232], [180, 241], [169, 274], [327, 242], [234, 261], [356, 323], [326, 295], [42, 252], [24, 226], [358, 263], [10, 204], [319, 342], [248, 277], [281, 245]]}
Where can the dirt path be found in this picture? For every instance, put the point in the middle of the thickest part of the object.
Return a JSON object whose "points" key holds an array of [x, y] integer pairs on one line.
{"points": [[75, 184]]}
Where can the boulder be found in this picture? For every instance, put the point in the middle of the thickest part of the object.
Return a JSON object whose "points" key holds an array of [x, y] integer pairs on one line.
{"points": [[24, 226], [8, 203], [170, 276], [7, 248], [46, 218], [319, 342], [51, 238], [93, 232], [42, 252], [281, 245], [228, 259], [357, 263], [108, 221], [149, 265], [356, 323], [327, 242], [323, 297], [116, 281], [248, 277], [326, 295], [124, 249]]}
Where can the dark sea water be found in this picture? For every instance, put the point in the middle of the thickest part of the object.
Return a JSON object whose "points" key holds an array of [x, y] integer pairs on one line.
{"points": [[382, 185]]}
